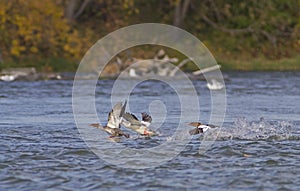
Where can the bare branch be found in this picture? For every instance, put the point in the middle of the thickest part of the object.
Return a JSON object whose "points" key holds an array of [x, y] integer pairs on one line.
{"points": [[249, 29], [216, 11], [81, 9], [70, 8], [184, 9], [182, 63], [271, 38], [180, 12], [226, 30]]}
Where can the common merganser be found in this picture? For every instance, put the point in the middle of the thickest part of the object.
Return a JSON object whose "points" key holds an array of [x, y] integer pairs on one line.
{"points": [[130, 121], [114, 121], [200, 128], [214, 84], [8, 78]]}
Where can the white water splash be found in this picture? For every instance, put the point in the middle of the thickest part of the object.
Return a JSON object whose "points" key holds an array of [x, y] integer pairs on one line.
{"points": [[258, 130]]}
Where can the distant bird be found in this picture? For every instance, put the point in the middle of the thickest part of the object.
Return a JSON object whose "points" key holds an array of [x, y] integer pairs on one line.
{"points": [[130, 121], [200, 128], [132, 73], [8, 78], [214, 84], [114, 121]]}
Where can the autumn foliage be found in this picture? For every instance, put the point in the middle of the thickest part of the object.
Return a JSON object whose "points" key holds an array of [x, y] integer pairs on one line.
{"points": [[33, 29], [38, 28]]}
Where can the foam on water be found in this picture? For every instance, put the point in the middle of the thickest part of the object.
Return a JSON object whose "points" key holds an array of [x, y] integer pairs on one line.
{"points": [[259, 130]]}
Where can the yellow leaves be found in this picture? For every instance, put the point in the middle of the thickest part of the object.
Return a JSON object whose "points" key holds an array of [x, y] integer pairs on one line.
{"points": [[33, 49], [174, 2], [15, 42], [137, 11], [31, 27], [227, 10], [22, 48], [16, 48], [66, 47], [2, 14], [129, 6], [15, 52]]}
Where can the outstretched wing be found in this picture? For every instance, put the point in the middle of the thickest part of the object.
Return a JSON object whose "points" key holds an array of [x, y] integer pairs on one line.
{"points": [[123, 109], [196, 131], [146, 119], [115, 115], [131, 118], [130, 121], [212, 126], [111, 122]]}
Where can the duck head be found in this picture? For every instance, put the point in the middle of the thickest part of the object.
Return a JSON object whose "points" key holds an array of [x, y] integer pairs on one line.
{"points": [[195, 124]]}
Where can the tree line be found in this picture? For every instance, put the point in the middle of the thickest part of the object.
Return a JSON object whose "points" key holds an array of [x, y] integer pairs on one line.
{"points": [[31, 29]]}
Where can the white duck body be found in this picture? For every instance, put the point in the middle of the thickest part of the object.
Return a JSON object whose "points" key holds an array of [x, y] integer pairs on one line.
{"points": [[200, 128], [130, 121]]}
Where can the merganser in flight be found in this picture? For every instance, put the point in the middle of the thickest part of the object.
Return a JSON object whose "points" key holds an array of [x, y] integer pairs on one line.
{"points": [[200, 128], [214, 84], [114, 121], [131, 121]]}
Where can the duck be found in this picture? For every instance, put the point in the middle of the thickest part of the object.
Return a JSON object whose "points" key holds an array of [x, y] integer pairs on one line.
{"points": [[131, 122], [200, 128], [214, 84], [114, 121]]}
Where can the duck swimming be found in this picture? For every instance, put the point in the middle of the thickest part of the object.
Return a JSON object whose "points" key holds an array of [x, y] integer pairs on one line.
{"points": [[113, 125], [200, 128], [130, 121]]}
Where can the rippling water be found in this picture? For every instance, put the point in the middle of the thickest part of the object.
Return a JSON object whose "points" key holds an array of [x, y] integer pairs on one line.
{"points": [[257, 147]]}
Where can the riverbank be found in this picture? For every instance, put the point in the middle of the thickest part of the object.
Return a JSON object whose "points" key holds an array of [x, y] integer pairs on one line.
{"points": [[50, 65], [261, 64]]}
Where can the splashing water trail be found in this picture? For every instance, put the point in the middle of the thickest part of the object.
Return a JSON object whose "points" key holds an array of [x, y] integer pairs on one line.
{"points": [[258, 130]]}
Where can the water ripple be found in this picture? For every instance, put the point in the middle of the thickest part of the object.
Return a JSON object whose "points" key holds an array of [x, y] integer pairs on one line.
{"points": [[41, 148]]}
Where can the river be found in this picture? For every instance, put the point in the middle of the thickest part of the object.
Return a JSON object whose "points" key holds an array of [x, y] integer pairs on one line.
{"points": [[257, 147]]}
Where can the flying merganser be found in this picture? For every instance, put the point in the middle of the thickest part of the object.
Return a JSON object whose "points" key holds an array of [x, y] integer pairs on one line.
{"points": [[130, 121], [114, 121], [214, 84], [200, 128]]}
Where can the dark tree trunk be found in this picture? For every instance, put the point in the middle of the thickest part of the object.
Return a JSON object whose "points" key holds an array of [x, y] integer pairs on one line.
{"points": [[70, 9], [180, 12], [74, 9]]}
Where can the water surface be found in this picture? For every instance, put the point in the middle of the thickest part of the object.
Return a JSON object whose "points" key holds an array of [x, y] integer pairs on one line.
{"points": [[257, 147]]}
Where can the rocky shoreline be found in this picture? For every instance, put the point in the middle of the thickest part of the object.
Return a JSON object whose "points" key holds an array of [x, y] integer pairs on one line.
{"points": [[26, 74], [161, 66]]}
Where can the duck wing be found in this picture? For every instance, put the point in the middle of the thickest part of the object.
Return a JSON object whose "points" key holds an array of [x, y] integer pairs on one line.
{"points": [[196, 131], [130, 121], [115, 115], [146, 119], [129, 117], [212, 126], [123, 109]]}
